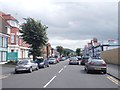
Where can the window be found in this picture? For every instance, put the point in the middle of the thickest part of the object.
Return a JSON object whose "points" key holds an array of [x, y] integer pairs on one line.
{"points": [[0, 56], [4, 56], [12, 38], [0, 41], [16, 39], [4, 40]]}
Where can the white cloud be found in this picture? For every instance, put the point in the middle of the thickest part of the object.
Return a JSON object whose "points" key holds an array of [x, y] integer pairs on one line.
{"points": [[71, 23], [72, 44]]}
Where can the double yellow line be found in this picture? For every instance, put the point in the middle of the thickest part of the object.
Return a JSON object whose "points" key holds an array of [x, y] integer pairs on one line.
{"points": [[114, 80]]}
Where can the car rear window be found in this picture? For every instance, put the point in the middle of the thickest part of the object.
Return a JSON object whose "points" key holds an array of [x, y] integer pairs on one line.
{"points": [[85, 57], [51, 59], [22, 62], [73, 58], [98, 61]]}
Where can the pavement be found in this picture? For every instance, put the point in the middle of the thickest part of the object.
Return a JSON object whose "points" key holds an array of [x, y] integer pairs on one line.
{"points": [[6, 70], [113, 70]]}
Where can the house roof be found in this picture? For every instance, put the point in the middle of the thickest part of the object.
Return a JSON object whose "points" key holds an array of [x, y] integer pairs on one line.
{"points": [[5, 21], [7, 16]]}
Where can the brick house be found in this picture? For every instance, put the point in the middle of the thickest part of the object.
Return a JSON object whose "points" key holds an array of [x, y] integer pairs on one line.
{"points": [[15, 42], [4, 35]]}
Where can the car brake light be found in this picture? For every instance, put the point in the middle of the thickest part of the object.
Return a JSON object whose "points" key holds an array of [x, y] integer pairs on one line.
{"points": [[91, 63], [104, 64]]}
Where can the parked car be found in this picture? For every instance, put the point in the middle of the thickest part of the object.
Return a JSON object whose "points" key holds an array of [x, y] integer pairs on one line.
{"points": [[96, 64], [62, 58], [74, 60], [58, 60], [84, 60], [42, 63], [79, 57], [52, 61], [26, 65]]}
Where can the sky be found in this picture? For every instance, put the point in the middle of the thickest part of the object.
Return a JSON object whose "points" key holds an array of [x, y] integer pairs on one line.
{"points": [[71, 23]]}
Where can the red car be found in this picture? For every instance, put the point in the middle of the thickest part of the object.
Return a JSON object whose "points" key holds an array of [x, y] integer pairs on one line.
{"points": [[84, 60], [58, 60]]}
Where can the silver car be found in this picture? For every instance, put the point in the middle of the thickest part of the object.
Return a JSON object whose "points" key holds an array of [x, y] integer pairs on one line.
{"points": [[74, 60], [52, 61], [26, 65], [96, 64]]}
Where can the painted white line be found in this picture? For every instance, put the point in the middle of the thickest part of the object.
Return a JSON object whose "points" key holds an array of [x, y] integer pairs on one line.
{"points": [[3, 76], [113, 80], [65, 66], [60, 70], [49, 82]]}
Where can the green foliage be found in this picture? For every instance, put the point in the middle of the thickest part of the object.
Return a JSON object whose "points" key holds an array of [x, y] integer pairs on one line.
{"points": [[66, 52], [60, 49], [34, 33], [78, 51]]}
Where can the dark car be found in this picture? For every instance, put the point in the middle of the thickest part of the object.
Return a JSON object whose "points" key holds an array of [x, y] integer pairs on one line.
{"points": [[62, 58], [42, 63], [84, 60], [96, 64]]}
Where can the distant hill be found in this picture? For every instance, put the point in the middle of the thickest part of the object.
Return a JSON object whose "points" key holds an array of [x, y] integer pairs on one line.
{"points": [[69, 50]]}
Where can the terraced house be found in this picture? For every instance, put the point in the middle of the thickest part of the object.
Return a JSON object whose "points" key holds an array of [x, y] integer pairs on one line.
{"points": [[4, 35], [15, 42]]}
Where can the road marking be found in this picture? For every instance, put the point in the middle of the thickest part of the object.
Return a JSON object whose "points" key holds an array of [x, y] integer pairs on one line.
{"points": [[113, 80], [60, 70], [49, 82], [4, 76], [65, 66]]}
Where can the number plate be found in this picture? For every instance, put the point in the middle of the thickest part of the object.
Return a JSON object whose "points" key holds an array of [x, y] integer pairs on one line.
{"points": [[97, 68]]}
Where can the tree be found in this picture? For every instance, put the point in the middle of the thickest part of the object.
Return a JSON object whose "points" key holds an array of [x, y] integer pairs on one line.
{"points": [[59, 49], [52, 49], [34, 33], [66, 51], [78, 51]]}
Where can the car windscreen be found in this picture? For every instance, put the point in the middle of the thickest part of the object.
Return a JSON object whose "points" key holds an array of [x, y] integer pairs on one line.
{"points": [[39, 60]]}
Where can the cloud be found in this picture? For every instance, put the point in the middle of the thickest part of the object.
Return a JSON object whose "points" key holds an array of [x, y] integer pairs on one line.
{"points": [[71, 21]]}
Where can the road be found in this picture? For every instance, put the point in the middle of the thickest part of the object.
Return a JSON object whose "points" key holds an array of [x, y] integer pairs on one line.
{"points": [[60, 75]]}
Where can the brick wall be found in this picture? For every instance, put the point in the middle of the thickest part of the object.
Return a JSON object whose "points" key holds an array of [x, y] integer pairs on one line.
{"points": [[111, 56]]}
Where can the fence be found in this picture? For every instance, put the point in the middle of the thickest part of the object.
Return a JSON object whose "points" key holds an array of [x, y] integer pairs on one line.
{"points": [[111, 56]]}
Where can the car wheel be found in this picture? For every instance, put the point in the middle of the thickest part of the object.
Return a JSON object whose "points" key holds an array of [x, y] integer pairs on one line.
{"points": [[87, 71], [37, 68], [16, 72], [104, 71], [30, 70], [44, 66], [47, 65]]}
